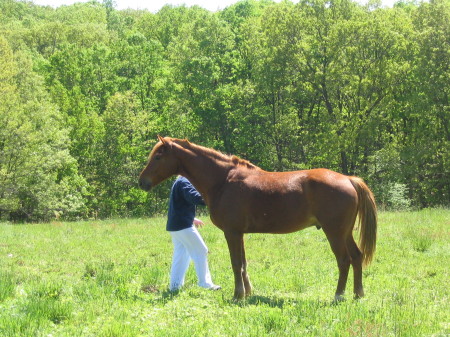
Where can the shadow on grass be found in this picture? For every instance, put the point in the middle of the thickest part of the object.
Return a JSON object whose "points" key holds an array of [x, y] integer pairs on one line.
{"points": [[277, 302], [273, 302], [168, 295], [258, 300]]}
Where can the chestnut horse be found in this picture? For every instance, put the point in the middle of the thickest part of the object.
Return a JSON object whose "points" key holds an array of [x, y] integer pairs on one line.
{"points": [[242, 198]]}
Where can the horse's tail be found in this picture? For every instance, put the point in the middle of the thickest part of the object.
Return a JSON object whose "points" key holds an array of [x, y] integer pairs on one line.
{"points": [[367, 211]]}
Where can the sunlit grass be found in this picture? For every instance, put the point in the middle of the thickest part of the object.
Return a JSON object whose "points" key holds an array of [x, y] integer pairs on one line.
{"points": [[110, 278]]}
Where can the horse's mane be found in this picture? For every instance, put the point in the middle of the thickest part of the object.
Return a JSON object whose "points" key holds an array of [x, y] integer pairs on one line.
{"points": [[215, 154], [239, 161]]}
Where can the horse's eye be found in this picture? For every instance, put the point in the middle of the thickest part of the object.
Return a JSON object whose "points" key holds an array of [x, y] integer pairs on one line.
{"points": [[157, 157]]}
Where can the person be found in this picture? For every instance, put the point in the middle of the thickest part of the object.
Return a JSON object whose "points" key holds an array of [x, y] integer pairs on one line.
{"points": [[187, 242]]}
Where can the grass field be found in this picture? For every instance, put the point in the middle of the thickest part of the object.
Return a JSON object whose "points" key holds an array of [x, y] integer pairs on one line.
{"points": [[109, 278]]}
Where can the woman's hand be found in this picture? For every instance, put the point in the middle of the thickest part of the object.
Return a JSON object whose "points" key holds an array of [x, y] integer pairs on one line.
{"points": [[198, 223]]}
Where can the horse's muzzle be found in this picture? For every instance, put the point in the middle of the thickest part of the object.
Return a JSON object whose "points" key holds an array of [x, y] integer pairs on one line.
{"points": [[145, 184]]}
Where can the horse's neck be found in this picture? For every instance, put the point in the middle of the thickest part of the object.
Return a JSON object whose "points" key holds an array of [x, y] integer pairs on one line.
{"points": [[202, 169]]}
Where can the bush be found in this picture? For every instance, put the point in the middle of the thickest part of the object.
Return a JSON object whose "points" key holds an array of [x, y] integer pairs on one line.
{"points": [[393, 196]]}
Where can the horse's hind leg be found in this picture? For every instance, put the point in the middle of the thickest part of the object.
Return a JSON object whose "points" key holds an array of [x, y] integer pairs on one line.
{"points": [[339, 248], [356, 261]]}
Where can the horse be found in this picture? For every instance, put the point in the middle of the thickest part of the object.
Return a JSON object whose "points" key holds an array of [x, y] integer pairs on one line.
{"points": [[243, 198]]}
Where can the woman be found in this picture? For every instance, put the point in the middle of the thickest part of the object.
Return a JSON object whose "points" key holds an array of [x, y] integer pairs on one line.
{"points": [[187, 242]]}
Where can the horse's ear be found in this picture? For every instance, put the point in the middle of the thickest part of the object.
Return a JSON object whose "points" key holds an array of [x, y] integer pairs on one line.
{"points": [[161, 139]]}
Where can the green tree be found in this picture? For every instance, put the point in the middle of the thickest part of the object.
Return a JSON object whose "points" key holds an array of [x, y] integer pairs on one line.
{"points": [[140, 67], [122, 154], [203, 60], [426, 111], [165, 25], [269, 49], [360, 89], [353, 58], [38, 176]]}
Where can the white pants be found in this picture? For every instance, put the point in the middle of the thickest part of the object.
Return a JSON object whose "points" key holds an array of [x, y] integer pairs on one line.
{"points": [[188, 244]]}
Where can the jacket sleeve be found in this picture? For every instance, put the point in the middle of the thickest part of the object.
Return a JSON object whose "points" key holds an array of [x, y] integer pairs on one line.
{"points": [[191, 194]]}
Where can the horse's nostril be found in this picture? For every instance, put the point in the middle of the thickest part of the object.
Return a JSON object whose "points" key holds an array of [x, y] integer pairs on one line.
{"points": [[145, 185]]}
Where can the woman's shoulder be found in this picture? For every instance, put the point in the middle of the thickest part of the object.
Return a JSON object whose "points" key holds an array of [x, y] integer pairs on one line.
{"points": [[181, 182]]}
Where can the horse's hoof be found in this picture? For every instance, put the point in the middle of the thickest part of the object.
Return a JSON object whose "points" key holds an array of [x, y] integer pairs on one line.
{"points": [[338, 299], [358, 296], [248, 291], [238, 296]]}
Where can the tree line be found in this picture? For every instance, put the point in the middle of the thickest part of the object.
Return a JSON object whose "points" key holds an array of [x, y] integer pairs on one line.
{"points": [[85, 89]]}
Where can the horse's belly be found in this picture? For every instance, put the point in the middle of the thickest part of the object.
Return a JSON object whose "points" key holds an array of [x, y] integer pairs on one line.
{"points": [[262, 211], [279, 223]]}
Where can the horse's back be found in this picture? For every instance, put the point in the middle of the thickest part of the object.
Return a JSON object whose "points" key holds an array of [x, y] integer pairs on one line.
{"points": [[280, 202], [325, 184]]}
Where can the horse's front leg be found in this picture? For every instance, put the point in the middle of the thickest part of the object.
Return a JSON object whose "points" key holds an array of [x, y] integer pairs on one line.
{"points": [[247, 284], [236, 247]]}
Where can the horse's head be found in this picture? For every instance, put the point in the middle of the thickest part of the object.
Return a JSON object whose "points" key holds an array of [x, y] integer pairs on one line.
{"points": [[160, 166]]}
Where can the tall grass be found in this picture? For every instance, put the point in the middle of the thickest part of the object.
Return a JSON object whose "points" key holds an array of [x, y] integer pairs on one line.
{"points": [[110, 278], [7, 285]]}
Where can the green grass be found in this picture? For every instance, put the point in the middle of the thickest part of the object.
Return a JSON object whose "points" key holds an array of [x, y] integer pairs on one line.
{"points": [[109, 279]]}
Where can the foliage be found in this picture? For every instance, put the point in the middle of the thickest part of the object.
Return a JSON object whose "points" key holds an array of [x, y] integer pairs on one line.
{"points": [[39, 176], [110, 278], [85, 89]]}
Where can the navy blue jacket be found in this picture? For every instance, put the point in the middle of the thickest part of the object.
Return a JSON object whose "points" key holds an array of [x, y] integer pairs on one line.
{"points": [[182, 203]]}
